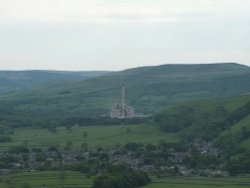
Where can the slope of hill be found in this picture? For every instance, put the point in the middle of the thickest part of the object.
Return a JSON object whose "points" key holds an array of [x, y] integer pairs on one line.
{"points": [[225, 122], [11, 81], [148, 89], [208, 119]]}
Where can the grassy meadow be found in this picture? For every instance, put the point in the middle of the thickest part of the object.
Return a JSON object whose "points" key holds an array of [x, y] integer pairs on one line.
{"points": [[63, 179], [95, 136], [200, 182], [45, 179]]}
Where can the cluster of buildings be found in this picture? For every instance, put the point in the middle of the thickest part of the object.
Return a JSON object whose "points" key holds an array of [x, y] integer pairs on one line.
{"points": [[122, 110]]}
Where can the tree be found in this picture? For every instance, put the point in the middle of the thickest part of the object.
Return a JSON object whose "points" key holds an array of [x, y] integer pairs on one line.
{"points": [[2, 129], [5, 138], [121, 176], [25, 143], [40, 157], [52, 129], [128, 130], [25, 157], [84, 146], [68, 145], [69, 128], [25, 185], [10, 182], [85, 134], [19, 149], [62, 175]]}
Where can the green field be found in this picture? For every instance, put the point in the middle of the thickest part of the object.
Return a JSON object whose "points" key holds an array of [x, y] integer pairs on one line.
{"points": [[200, 182], [49, 179], [46, 179], [104, 136]]}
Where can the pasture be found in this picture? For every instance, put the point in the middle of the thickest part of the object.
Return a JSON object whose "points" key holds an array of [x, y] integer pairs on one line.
{"points": [[69, 179], [94, 136], [200, 182], [46, 179]]}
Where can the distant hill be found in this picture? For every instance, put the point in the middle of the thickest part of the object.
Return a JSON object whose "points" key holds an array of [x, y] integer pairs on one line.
{"points": [[148, 89], [11, 81]]}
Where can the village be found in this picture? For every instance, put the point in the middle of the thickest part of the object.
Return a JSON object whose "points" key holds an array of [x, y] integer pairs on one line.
{"points": [[161, 160]]}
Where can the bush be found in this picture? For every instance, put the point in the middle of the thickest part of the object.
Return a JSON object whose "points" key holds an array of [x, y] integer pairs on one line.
{"points": [[4, 139], [18, 149], [121, 177]]}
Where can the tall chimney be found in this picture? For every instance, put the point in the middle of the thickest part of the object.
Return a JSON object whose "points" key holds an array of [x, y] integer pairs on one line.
{"points": [[123, 101]]}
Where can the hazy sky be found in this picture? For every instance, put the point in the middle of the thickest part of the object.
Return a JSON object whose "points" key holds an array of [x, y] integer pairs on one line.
{"points": [[119, 34]]}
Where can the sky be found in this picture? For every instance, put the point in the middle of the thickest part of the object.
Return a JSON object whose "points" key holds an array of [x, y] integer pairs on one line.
{"points": [[121, 34]]}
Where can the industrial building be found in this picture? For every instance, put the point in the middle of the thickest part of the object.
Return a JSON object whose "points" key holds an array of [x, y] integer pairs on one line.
{"points": [[122, 110]]}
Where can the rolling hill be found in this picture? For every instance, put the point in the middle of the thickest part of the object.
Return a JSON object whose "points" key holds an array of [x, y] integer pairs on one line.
{"points": [[148, 89], [11, 81]]}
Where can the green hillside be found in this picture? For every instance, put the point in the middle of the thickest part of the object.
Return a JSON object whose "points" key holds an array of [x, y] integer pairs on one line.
{"points": [[11, 81], [148, 90], [225, 122], [213, 119]]}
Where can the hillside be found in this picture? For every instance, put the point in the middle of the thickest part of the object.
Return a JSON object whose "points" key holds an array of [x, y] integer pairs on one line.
{"points": [[148, 89], [11, 81], [208, 119], [224, 122]]}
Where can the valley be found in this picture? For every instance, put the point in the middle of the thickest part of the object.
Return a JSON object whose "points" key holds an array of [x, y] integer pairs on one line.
{"points": [[197, 129]]}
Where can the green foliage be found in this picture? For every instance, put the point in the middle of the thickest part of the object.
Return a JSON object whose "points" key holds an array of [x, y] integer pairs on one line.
{"points": [[84, 146], [18, 149], [121, 177], [5, 139], [62, 175], [2, 130], [205, 119], [84, 166], [41, 157], [133, 146], [52, 129], [239, 165], [194, 122], [6, 160], [201, 162], [225, 122], [85, 134], [68, 145], [26, 185]]}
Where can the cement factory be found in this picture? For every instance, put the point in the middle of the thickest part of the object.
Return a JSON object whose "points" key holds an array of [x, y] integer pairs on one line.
{"points": [[122, 110]]}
